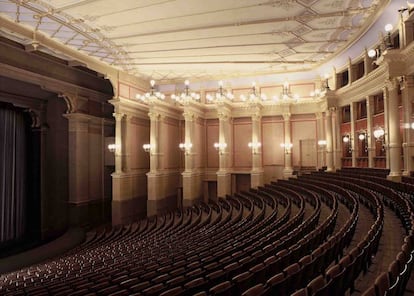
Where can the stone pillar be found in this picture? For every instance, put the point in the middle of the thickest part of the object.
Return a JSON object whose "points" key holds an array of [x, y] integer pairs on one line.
{"points": [[223, 174], [337, 139], [118, 142], [370, 135], [288, 170], [353, 137], [330, 167], [78, 164], [154, 176], [257, 167], [386, 128], [408, 145], [126, 145], [189, 181], [321, 136], [394, 131], [351, 72], [367, 63], [155, 132]]}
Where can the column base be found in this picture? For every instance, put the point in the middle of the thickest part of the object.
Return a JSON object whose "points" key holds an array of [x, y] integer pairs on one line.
{"points": [[126, 211], [223, 184], [287, 173], [159, 206], [190, 202], [394, 177], [406, 173], [192, 187], [256, 178]]}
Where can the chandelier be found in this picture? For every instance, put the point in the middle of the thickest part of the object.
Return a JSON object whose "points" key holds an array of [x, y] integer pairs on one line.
{"points": [[152, 95], [253, 96], [185, 97], [286, 96], [220, 96]]}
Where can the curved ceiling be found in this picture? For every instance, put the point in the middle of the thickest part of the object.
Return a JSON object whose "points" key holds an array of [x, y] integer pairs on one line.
{"points": [[170, 40]]}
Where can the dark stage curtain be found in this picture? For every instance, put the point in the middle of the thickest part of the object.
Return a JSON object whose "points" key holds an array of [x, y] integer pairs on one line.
{"points": [[13, 174]]}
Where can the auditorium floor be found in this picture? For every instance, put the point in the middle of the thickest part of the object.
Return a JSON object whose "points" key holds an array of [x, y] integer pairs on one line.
{"points": [[390, 244]]}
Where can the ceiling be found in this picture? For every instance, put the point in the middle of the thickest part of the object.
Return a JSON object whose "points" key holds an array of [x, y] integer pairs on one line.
{"points": [[171, 40]]}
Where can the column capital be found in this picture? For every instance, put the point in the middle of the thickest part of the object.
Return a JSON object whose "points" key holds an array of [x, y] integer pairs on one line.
{"points": [[154, 115], [391, 83], [189, 116], [118, 116], [318, 115], [256, 116], [286, 116], [223, 116]]}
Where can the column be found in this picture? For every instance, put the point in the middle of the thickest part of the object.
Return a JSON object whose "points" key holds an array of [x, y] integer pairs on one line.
{"points": [[353, 138], [367, 63], [256, 174], [78, 165], [408, 145], [155, 119], [288, 170], [351, 72], [394, 131], [155, 191], [386, 128], [370, 130], [330, 167], [126, 145], [337, 139], [118, 142], [223, 174], [190, 184], [321, 136]]}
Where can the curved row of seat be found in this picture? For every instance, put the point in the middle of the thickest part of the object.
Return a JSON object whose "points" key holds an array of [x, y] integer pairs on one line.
{"points": [[282, 238]]}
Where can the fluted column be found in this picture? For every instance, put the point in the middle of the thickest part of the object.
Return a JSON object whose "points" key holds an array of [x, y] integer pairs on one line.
{"points": [[288, 170], [386, 128], [223, 174], [155, 138], [118, 142], [408, 145], [394, 130], [353, 139], [190, 180], [126, 145], [329, 140], [257, 167], [337, 139], [321, 137], [370, 135]]}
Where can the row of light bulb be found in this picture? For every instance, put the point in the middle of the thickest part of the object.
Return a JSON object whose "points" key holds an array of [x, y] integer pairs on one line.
{"points": [[222, 95]]}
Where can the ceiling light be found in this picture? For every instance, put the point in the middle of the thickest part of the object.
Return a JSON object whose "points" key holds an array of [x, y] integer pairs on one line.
{"points": [[186, 97], [220, 96], [152, 95]]}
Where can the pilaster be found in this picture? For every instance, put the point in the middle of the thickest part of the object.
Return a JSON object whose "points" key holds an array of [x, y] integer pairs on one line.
{"points": [[256, 175], [223, 174], [329, 140], [353, 139]]}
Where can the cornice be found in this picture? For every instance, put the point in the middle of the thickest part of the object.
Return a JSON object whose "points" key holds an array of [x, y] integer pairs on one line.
{"points": [[49, 83]]}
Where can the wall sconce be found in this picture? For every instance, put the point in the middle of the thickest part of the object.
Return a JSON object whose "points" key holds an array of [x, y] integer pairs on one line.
{"points": [[346, 139], [112, 147], [287, 147], [186, 147], [255, 146], [379, 133], [361, 136], [221, 147], [322, 143], [146, 147]]}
